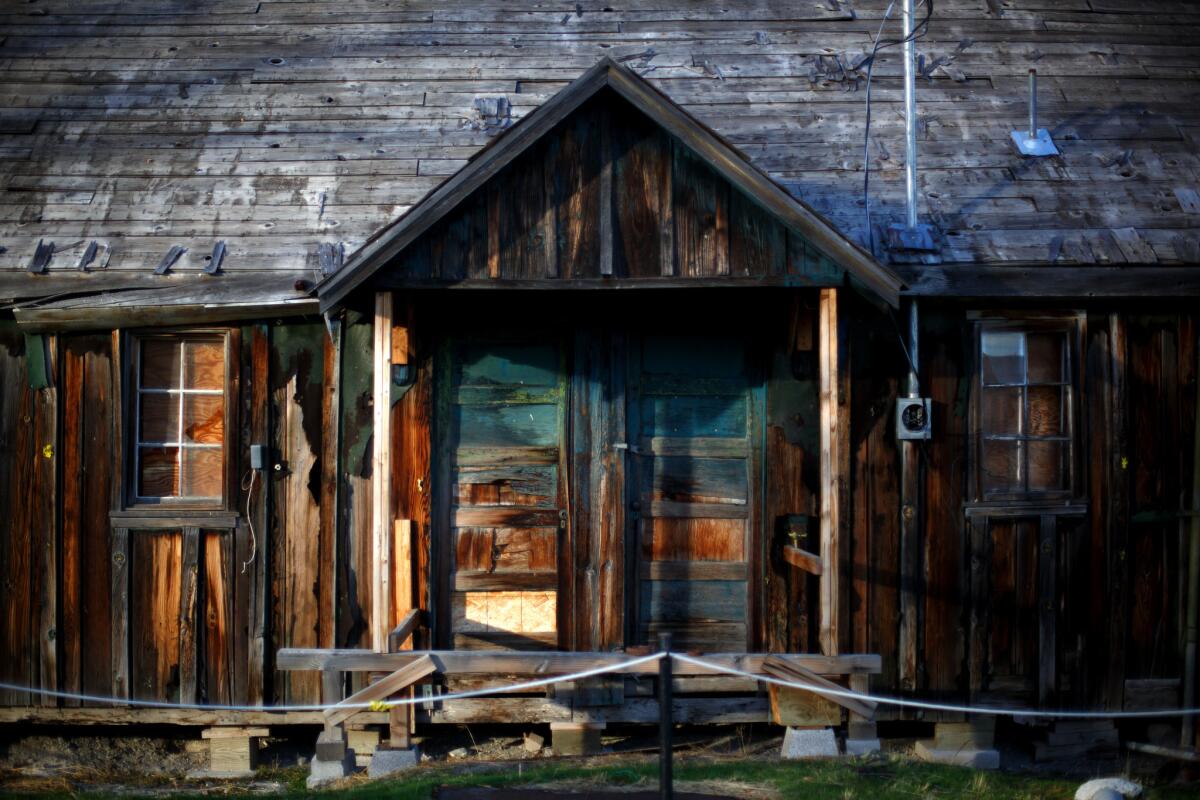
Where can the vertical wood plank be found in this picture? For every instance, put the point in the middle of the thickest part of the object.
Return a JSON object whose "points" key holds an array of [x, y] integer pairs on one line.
{"points": [[402, 566], [45, 503], [1047, 600], [585, 385], [411, 421], [608, 489], [981, 561], [757, 245], [1118, 510], [70, 635], [666, 224], [331, 433], [939, 562], [577, 188], [381, 459], [119, 608], [216, 633], [605, 228], [16, 459], [494, 202], [188, 595], [701, 211], [256, 373], [841, 463], [642, 225], [830, 442], [100, 473]]}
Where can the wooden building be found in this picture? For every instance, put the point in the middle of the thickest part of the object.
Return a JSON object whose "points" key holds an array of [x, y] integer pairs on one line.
{"points": [[566, 327]]}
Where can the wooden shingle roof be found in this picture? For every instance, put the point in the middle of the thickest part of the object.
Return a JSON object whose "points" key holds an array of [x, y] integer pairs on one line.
{"points": [[279, 127]]}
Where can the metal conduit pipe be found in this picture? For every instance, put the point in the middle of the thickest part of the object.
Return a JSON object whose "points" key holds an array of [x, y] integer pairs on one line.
{"points": [[910, 116]]}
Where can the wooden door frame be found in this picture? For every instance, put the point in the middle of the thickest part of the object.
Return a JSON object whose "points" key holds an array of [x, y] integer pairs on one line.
{"points": [[757, 352], [441, 467]]}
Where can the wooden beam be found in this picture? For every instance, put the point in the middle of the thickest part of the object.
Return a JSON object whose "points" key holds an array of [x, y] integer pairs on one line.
{"points": [[788, 671], [802, 559], [189, 717], [401, 633], [830, 500], [978, 281], [381, 689], [381, 463], [501, 662]]}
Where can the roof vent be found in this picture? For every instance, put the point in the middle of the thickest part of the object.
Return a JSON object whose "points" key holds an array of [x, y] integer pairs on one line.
{"points": [[1034, 141]]}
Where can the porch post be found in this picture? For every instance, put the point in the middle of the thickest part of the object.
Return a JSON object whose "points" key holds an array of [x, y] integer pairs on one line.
{"points": [[830, 461], [381, 473]]}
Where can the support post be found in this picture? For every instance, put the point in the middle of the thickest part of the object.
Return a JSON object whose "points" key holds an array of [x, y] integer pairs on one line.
{"points": [[381, 487], [910, 522], [665, 724], [830, 458]]}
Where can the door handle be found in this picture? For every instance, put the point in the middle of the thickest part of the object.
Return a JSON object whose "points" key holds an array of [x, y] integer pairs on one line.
{"points": [[562, 519]]}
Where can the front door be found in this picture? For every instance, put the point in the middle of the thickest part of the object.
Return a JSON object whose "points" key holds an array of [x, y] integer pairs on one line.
{"points": [[695, 427], [502, 494]]}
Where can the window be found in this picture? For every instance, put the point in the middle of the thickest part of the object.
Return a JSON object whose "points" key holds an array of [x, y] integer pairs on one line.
{"points": [[179, 405], [1025, 410]]}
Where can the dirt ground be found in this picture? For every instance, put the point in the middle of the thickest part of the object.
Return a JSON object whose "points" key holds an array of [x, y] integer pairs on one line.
{"points": [[114, 762]]}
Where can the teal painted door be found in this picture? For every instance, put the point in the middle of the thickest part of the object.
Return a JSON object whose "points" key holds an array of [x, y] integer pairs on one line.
{"points": [[503, 496], [695, 424]]}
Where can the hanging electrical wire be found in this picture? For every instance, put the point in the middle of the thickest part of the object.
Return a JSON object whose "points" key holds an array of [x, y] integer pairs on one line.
{"points": [[918, 32]]}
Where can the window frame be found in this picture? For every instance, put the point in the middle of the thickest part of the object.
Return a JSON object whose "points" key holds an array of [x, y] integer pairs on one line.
{"points": [[1071, 326], [130, 416]]}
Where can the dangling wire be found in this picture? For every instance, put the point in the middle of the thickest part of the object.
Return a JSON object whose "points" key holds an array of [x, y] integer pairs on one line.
{"points": [[248, 487]]}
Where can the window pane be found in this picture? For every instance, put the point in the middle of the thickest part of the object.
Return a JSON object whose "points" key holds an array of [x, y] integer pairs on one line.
{"points": [[1046, 358], [1000, 460], [1003, 357], [204, 418], [1047, 470], [1045, 411], [1002, 410], [204, 364], [158, 472], [202, 472], [160, 364], [160, 418]]}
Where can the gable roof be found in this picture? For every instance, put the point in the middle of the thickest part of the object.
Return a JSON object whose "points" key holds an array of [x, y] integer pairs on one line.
{"points": [[722, 157], [277, 127]]}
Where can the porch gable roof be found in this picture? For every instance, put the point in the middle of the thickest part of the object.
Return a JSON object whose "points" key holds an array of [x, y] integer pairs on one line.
{"points": [[724, 159]]}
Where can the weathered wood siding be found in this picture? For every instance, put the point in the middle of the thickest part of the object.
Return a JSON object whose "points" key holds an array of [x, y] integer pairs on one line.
{"points": [[1103, 588], [135, 608], [608, 195]]}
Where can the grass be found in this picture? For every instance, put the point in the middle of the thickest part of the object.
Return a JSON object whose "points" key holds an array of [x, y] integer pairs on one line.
{"points": [[876, 779]]}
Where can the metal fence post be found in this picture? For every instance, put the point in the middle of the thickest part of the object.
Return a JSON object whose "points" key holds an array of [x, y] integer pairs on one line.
{"points": [[665, 724]]}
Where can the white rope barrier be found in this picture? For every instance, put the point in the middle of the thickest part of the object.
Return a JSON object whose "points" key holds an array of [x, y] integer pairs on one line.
{"points": [[932, 706], [620, 667], [375, 705]]}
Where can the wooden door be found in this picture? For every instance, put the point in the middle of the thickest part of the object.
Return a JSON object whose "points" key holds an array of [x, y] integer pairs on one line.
{"points": [[695, 477], [502, 492]]}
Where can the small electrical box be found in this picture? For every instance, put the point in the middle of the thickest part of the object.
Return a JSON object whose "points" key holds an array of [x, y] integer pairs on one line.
{"points": [[258, 456], [913, 419]]}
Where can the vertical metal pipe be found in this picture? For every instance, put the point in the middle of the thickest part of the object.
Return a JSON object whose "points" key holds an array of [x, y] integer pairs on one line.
{"points": [[1033, 104], [914, 342], [910, 116], [1188, 728], [665, 724]]}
